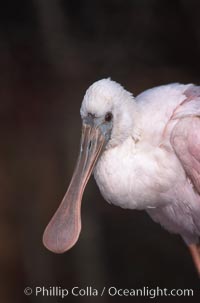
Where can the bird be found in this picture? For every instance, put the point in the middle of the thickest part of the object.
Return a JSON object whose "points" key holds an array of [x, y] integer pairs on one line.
{"points": [[144, 153]]}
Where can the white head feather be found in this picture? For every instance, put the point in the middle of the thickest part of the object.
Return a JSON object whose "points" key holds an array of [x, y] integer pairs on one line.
{"points": [[106, 96]]}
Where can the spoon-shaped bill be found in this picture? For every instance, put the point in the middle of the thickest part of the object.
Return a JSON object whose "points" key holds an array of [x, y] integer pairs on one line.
{"points": [[63, 230]]}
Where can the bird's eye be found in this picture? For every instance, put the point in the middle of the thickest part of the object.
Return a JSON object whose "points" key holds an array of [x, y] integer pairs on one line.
{"points": [[108, 117]]}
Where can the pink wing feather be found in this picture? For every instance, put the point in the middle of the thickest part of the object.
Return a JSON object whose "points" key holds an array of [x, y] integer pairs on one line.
{"points": [[185, 137]]}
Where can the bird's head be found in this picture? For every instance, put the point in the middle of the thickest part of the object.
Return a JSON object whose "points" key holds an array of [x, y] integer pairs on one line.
{"points": [[107, 106], [107, 113]]}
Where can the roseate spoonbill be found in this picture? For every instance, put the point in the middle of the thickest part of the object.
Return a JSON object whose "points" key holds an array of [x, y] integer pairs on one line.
{"points": [[145, 154]]}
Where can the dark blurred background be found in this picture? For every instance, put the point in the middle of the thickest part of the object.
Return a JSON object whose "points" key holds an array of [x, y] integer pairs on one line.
{"points": [[50, 52]]}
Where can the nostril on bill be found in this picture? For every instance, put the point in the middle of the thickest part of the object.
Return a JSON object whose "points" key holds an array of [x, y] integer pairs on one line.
{"points": [[89, 145]]}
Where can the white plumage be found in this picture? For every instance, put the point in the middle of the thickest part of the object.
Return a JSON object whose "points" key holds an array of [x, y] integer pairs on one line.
{"points": [[149, 159], [143, 172]]}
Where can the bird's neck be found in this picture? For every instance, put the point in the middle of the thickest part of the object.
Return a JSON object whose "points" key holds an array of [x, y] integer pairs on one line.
{"points": [[127, 125]]}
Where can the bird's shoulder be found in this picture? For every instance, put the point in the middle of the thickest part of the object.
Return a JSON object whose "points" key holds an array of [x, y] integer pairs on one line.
{"points": [[163, 93], [185, 140]]}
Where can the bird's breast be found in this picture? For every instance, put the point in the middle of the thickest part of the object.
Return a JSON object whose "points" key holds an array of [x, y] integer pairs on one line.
{"points": [[134, 177]]}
